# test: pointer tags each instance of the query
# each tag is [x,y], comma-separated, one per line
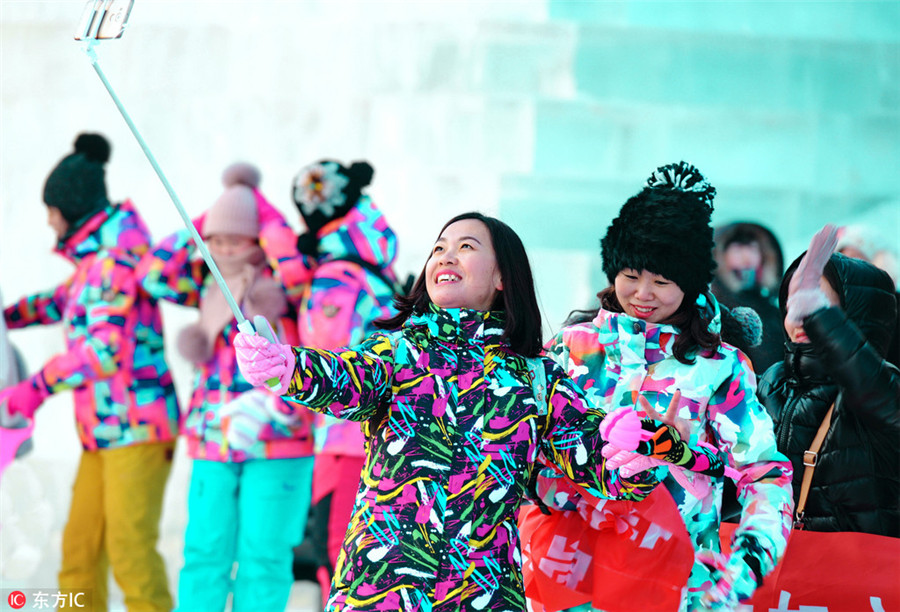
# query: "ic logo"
[16,600]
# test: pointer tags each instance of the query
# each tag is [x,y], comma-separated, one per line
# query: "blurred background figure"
[126,411]
[12,368]
[25,511]
[750,265]
[250,473]
[352,250]
[862,242]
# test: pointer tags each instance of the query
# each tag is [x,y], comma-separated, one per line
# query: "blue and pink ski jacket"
[615,358]
[342,300]
[171,272]
[114,360]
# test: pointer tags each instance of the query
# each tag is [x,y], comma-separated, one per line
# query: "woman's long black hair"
[693,326]
[522,327]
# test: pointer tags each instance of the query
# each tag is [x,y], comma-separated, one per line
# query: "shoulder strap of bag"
[538,376]
[810,459]
[538,382]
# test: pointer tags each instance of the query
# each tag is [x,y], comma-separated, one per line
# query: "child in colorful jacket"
[454,421]
[655,336]
[125,405]
[352,286]
[246,504]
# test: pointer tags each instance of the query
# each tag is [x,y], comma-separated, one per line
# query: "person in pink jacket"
[352,249]
[125,405]
[251,473]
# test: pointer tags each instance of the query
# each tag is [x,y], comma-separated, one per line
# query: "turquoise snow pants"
[252,514]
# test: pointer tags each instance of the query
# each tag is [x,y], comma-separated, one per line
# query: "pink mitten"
[260,361]
[15,438]
[622,429]
[26,397]
[628,463]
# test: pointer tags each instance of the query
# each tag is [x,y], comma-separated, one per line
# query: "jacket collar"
[802,367]
[629,340]
[458,325]
[118,226]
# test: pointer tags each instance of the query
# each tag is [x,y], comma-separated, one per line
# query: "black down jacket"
[856,484]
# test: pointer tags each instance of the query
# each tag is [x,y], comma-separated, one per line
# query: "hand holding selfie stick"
[105,20]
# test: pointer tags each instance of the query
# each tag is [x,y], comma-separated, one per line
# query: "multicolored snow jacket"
[616,357]
[343,299]
[453,431]
[171,272]
[114,360]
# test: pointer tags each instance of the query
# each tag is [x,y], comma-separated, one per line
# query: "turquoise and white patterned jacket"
[615,358]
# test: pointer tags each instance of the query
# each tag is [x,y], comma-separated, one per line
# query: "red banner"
[621,556]
[831,572]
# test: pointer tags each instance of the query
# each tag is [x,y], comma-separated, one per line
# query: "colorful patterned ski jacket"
[616,357]
[114,359]
[171,272]
[453,431]
[343,299]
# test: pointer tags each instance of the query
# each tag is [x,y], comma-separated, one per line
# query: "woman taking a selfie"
[455,411]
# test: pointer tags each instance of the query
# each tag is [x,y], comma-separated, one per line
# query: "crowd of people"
[418,426]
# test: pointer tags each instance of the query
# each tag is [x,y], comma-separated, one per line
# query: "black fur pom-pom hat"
[665,229]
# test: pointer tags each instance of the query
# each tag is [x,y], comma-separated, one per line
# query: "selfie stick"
[100,16]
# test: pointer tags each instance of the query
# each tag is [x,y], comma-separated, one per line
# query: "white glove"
[804,285]
[805,302]
[243,419]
